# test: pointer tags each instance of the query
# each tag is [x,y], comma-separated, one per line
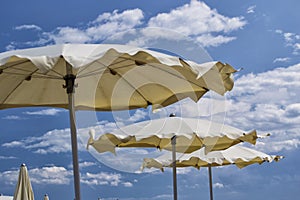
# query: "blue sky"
[262,37]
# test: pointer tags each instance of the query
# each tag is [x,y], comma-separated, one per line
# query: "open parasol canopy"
[191,134]
[235,155]
[108,77]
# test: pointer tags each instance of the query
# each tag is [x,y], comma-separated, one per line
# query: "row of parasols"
[191,142]
[108,77]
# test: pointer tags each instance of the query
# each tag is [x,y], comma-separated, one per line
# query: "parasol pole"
[70,80]
[210,182]
[173,141]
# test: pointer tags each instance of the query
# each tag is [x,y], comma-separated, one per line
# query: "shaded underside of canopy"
[191,134]
[108,77]
[235,155]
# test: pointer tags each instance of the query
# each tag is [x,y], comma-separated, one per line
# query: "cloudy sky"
[260,38]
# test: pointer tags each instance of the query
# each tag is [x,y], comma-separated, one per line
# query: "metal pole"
[210,182]
[70,79]
[173,141]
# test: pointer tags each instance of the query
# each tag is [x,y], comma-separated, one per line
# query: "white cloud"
[108,24]
[211,40]
[274,86]
[205,25]
[128,18]
[12,117]
[211,107]
[13,144]
[103,178]
[157,197]
[138,115]
[86,164]
[285,59]
[162,196]
[124,117]
[45,175]
[278,31]
[103,26]
[7,157]
[58,140]
[68,35]
[12,46]
[251,9]
[277,146]
[291,40]
[48,112]
[296,47]
[50,175]
[83,164]
[200,17]
[127,184]
[55,175]
[132,158]
[184,170]
[55,141]
[289,37]
[218,185]
[10,177]
[203,22]
[268,102]
[292,110]
[28,27]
